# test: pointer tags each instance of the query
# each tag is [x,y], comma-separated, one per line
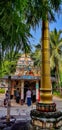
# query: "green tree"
[56,52]
[9,64]
[61,74]
[44,10]
[36,11]
[36,56]
[14,31]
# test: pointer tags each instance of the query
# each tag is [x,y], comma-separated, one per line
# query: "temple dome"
[24,65]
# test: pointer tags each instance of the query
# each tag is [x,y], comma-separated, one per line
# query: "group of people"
[30,97]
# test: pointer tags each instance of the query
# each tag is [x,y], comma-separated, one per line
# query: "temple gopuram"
[26,76]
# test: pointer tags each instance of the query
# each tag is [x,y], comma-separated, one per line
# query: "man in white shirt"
[28,97]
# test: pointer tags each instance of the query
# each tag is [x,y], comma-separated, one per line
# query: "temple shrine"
[26,76]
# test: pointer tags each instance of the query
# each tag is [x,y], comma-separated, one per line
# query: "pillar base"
[46,120]
[46,107]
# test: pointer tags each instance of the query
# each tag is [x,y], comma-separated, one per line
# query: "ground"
[23,110]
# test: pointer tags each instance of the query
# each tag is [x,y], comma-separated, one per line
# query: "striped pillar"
[22,90]
[46,87]
[37,91]
[46,102]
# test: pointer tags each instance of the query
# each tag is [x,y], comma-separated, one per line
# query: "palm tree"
[36,56]
[9,63]
[56,52]
[36,11]
[14,31]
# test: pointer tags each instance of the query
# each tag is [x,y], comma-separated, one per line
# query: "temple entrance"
[32,86]
[22,86]
[26,86]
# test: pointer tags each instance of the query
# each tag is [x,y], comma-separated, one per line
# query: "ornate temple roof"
[25,70]
[25,66]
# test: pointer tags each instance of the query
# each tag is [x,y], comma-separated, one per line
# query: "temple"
[26,76]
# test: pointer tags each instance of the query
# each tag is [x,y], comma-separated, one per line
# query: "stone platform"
[46,120]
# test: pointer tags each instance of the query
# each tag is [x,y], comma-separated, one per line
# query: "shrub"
[2,90]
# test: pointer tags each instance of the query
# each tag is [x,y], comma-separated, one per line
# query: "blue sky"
[57,24]
[37,34]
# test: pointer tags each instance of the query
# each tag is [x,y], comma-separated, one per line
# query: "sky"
[57,24]
[37,34]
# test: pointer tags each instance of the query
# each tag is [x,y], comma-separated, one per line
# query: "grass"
[2,90]
[55,93]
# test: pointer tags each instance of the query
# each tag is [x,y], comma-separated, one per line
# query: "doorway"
[29,84]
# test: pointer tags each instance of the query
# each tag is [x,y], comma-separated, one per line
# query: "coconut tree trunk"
[46,86]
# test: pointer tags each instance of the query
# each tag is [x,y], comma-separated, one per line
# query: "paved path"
[23,110]
[58,102]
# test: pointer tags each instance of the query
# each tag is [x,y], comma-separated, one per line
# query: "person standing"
[28,97]
[33,95]
[17,95]
[6,98]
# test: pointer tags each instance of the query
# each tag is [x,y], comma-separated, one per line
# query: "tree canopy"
[16,18]
[56,52]
[36,10]
[14,32]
